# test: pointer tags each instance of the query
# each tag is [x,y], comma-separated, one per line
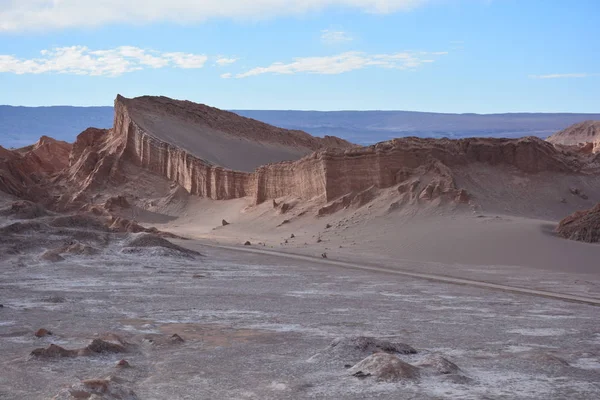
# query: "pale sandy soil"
[483,243]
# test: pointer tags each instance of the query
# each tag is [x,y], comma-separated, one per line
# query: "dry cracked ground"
[149,322]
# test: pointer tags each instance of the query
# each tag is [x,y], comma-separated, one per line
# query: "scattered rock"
[292,236]
[563,200]
[98,346]
[97,389]
[42,333]
[123,364]
[327,226]
[324,255]
[385,367]
[247,243]
[224,223]
[53,351]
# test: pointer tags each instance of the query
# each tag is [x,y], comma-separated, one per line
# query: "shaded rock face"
[585,135]
[385,367]
[23,170]
[583,226]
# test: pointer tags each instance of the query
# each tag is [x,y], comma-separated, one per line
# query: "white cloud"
[559,76]
[223,61]
[80,60]
[345,62]
[227,75]
[21,15]
[329,36]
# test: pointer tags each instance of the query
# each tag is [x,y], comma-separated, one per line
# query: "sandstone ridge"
[197,147]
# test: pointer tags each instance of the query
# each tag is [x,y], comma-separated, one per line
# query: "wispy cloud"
[29,15]
[345,62]
[329,36]
[223,61]
[227,75]
[80,60]
[560,76]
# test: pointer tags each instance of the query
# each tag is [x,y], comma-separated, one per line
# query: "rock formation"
[220,155]
[386,368]
[585,135]
[581,225]
[22,170]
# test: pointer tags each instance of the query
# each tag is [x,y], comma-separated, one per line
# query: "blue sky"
[479,56]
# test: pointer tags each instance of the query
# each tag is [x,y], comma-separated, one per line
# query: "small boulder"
[386,368]
[123,364]
[42,333]
[247,243]
[175,338]
[224,223]
[438,364]
[101,346]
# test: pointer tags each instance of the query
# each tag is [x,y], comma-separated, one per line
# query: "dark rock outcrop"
[583,226]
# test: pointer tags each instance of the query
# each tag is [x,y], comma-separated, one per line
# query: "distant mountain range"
[21,126]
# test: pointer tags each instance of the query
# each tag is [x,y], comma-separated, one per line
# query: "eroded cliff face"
[389,163]
[197,176]
[421,169]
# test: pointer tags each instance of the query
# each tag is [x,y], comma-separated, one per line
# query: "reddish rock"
[123,364]
[42,333]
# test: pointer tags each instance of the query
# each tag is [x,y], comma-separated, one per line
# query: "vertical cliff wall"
[327,174]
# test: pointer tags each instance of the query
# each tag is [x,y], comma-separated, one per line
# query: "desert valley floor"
[260,327]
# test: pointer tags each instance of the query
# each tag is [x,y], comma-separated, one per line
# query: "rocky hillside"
[585,135]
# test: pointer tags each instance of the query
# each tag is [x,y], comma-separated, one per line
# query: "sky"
[458,56]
